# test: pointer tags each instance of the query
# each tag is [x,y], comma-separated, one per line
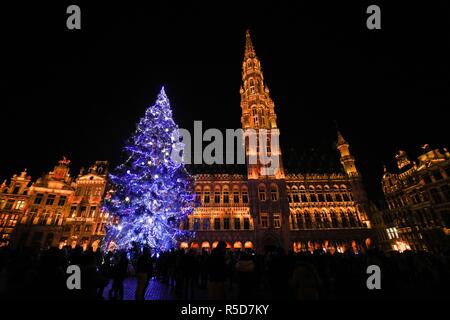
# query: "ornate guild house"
[296,211]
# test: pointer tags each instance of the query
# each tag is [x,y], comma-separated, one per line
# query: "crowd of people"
[222,274]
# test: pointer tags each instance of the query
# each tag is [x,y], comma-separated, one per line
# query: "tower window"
[274,193]
[262,193]
[236,196]
[264,221]
[276,221]
[244,197]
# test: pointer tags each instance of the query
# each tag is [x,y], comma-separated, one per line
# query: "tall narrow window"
[277,221]
[206,197]
[217,197]
[255,116]
[38,198]
[245,196]
[236,196]
[264,221]
[226,223]
[262,193]
[226,198]
[237,223]
[274,193]
[246,223]
[62,201]
[216,223]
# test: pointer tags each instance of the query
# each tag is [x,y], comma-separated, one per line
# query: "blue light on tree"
[151,192]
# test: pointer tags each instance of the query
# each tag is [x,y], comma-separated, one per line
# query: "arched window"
[244,195]
[255,116]
[320,196]
[235,195]
[352,219]
[328,196]
[312,195]
[262,193]
[206,195]
[318,220]
[334,219]
[273,193]
[295,197]
[252,86]
[325,219]
[299,218]
[226,195]
[307,219]
[217,195]
[303,194]
[344,219]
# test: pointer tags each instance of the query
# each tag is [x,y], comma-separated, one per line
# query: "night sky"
[81,93]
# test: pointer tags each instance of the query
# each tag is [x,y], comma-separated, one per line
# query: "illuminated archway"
[248,245]
[237,245]
[205,244]
[194,245]
[184,245]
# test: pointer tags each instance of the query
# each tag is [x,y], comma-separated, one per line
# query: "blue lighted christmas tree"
[152,193]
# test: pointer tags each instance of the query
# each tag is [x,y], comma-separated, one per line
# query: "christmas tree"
[151,192]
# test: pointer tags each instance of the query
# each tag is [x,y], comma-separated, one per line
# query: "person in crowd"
[119,273]
[144,273]
[217,271]
[245,268]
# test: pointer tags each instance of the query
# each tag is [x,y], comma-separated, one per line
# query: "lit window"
[276,221]
[392,233]
[20,204]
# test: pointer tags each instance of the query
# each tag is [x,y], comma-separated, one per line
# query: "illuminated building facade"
[261,209]
[417,216]
[56,209]
[13,203]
